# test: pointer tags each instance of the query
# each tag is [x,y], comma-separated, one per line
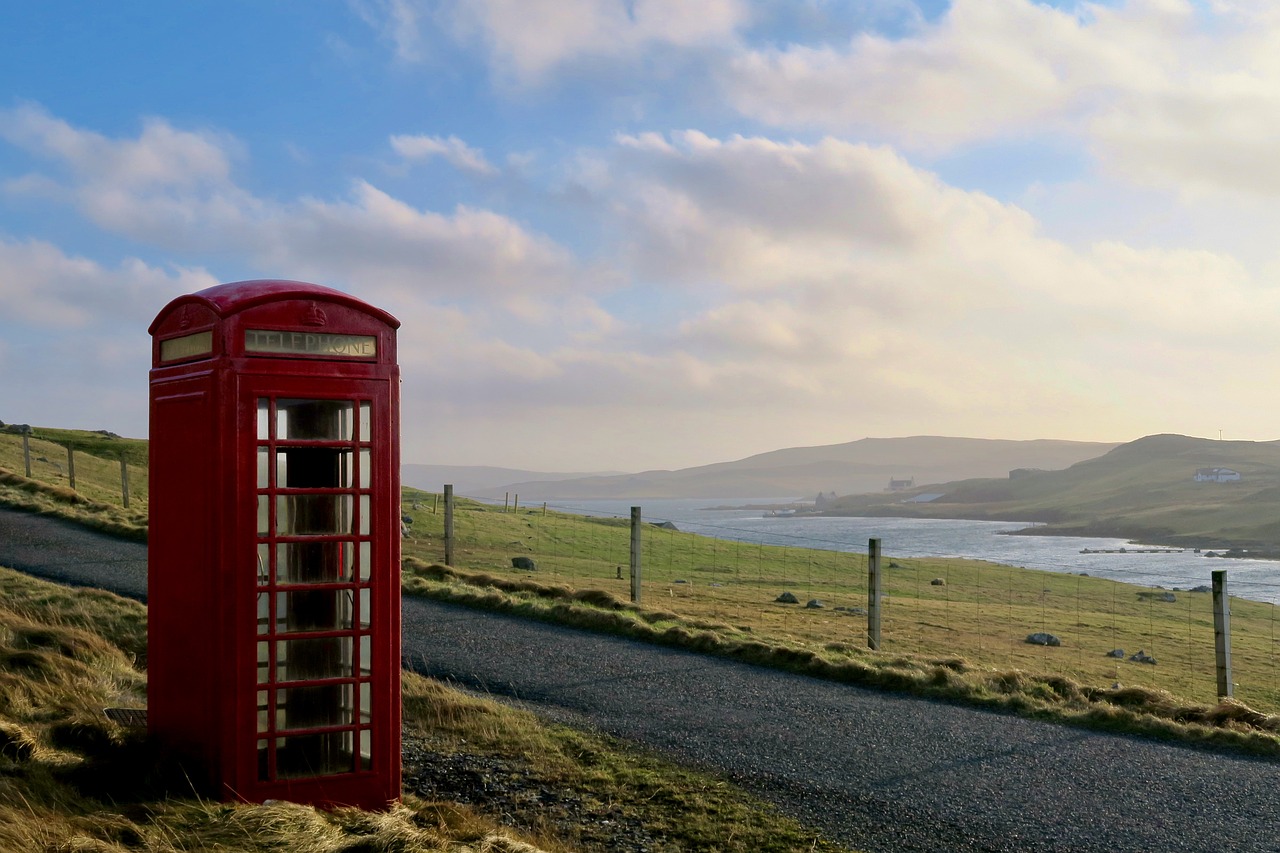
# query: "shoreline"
[1206,546]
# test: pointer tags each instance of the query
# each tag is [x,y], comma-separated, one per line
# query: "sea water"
[994,541]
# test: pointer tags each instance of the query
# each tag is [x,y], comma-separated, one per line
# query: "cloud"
[41,287]
[468,255]
[528,39]
[397,22]
[751,283]
[76,350]
[834,272]
[161,156]
[173,190]
[167,184]
[453,150]
[1164,93]
[488,305]
[982,69]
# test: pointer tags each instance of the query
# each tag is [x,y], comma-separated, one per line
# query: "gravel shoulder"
[872,770]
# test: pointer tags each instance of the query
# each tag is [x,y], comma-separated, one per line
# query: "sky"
[633,234]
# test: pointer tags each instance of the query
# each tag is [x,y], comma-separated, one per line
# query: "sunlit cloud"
[453,150]
[1164,93]
[42,287]
[837,272]
[141,189]
[528,39]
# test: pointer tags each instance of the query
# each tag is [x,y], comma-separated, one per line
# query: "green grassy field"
[982,613]
[98,499]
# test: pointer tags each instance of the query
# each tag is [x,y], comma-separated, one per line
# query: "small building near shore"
[1216,475]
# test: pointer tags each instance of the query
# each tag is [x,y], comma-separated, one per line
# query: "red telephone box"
[274,548]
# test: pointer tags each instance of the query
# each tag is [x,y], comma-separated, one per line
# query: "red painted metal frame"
[203,552]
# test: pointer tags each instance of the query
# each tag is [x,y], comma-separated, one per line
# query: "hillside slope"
[854,467]
[1141,490]
[476,479]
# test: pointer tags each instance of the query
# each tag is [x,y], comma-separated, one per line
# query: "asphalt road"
[872,770]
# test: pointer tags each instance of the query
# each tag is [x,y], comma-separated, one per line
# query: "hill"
[475,479]
[854,467]
[1144,490]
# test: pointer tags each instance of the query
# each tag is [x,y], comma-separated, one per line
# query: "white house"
[1216,475]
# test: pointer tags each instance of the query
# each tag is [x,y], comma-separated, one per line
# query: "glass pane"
[313,420]
[364,608]
[264,662]
[366,653]
[264,417]
[312,515]
[366,750]
[264,712]
[366,421]
[366,560]
[315,707]
[315,755]
[366,706]
[364,515]
[314,562]
[264,468]
[313,468]
[264,516]
[264,562]
[264,612]
[365,463]
[322,657]
[314,610]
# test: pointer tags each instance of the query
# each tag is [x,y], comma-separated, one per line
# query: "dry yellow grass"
[70,779]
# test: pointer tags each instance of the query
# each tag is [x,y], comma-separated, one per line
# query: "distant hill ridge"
[478,480]
[855,467]
[1143,490]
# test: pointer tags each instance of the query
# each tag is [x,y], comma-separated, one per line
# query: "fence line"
[1132,631]
[42,468]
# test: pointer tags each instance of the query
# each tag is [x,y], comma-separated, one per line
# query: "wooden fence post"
[71,467]
[448,525]
[1222,632]
[873,594]
[124,481]
[635,555]
[26,453]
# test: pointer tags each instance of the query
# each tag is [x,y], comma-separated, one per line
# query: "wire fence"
[1132,628]
[104,476]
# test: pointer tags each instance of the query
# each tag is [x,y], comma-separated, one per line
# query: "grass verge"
[481,777]
[933,608]
[1133,710]
[18,492]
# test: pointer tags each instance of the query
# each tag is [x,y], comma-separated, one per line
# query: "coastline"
[1208,546]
